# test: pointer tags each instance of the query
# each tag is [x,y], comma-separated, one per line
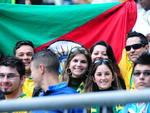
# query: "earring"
[68,71]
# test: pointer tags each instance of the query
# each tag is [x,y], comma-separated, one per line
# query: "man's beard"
[5,92]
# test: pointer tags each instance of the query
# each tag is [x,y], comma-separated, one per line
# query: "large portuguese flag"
[85,24]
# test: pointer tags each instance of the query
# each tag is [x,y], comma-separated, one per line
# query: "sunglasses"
[135,46]
[102,60]
[79,49]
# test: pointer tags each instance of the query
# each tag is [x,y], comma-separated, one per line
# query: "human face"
[35,74]
[141,76]
[134,53]
[10,81]
[25,53]
[145,4]
[99,51]
[103,77]
[78,65]
[80,1]
[148,36]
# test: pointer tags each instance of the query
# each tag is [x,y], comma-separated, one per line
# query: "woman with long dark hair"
[102,77]
[102,50]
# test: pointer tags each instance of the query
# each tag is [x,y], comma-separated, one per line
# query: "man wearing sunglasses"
[136,44]
[12,72]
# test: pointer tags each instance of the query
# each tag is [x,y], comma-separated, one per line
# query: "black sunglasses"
[135,46]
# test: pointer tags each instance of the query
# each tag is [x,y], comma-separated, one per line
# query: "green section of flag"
[7,1]
[43,23]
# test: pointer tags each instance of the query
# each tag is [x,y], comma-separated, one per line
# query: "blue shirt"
[59,89]
[136,108]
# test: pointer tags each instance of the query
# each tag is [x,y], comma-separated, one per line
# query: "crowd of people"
[29,74]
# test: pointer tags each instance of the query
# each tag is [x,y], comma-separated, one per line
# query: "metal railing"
[106,98]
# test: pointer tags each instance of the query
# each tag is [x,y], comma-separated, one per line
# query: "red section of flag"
[110,26]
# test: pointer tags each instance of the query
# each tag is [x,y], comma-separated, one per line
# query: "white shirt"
[103,1]
[142,24]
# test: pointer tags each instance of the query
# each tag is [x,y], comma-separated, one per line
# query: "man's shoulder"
[66,90]
[69,90]
[59,89]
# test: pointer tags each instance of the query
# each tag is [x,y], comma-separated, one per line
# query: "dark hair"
[48,58]
[90,85]
[144,59]
[14,62]
[111,56]
[1,55]
[74,51]
[21,43]
[109,50]
[36,2]
[143,39]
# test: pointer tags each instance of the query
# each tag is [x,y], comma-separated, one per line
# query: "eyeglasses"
[145,73]
[135,46]
[10,76]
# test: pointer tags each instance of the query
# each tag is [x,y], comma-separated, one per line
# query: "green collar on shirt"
[22,95]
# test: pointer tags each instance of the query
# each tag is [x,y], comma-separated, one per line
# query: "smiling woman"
[76,68]
[102,77]
[62,49]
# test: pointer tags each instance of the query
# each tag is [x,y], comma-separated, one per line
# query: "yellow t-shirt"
[28,87]
[126,67]
[22,96]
